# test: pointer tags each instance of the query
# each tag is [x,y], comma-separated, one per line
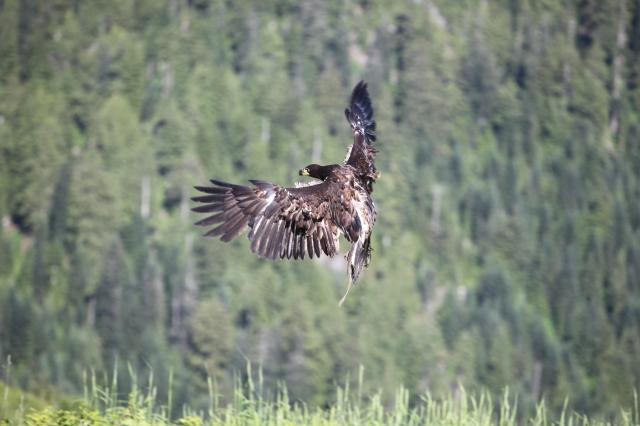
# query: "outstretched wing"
[360,116]
[283,222]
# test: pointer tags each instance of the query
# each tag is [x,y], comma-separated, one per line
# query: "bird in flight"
[287,223]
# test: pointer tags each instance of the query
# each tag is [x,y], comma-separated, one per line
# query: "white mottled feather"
[305,184]
[348,154]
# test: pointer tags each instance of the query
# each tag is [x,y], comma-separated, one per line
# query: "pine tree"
[34,155]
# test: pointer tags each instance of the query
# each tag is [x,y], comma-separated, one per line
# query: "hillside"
[507,249]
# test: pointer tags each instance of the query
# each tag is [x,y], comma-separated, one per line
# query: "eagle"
[289,223]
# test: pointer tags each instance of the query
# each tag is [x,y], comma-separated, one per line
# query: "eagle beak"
[304,172]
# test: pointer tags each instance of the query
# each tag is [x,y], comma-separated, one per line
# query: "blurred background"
[507,249]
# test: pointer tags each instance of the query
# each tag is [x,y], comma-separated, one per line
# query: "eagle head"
[317,171]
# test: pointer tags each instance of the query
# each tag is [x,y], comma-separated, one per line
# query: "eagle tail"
[358,258]
[360,113]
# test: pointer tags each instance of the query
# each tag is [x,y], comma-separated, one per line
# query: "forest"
[507,246]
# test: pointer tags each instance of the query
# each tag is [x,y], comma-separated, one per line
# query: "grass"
[14,403]
[100,406]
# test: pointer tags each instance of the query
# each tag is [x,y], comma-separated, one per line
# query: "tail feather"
[360,257]
[357,258]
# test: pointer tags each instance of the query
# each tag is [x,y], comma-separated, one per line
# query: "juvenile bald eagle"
[288,223]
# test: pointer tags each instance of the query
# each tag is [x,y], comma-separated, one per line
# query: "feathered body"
[289,223]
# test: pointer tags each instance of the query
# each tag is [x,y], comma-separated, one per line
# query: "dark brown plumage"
[291,223]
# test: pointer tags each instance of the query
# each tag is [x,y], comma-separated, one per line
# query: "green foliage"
[14,403]
[507,248]
[77,416]
[350,408]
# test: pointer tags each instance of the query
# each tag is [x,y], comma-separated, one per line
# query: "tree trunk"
[436,210]
[145,197]
[616,86]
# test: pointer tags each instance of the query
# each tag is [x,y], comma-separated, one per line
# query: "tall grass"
[100,405]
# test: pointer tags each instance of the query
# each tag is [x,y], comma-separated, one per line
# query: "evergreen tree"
[507,244]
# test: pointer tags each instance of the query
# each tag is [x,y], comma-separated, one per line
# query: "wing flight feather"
[283,222]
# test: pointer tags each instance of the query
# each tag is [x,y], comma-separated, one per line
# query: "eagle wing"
[360,116]
[283,222]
